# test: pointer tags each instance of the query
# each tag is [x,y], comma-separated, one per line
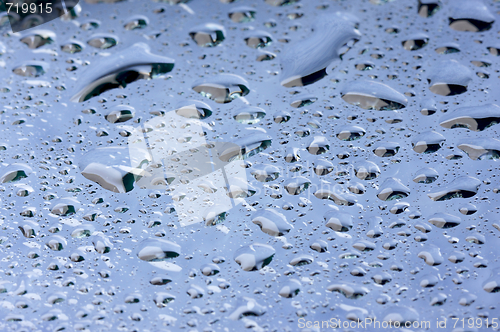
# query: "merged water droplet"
[247,307]
[280,2]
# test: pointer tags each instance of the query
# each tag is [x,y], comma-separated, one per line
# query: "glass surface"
[265,165]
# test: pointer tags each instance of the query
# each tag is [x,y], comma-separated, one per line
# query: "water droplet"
[415,42]
[136,22]
[449,78]
[73,46]
[427,8]
[318,145]
[428,142]
[208,34]
[290,289]
[305,62]
[258,39]
[120,70]
[444,220]
[31,69]
[350,133]
[38,38]
[477,118]
[249,115]
[121,113]
[481,148]
[193,109]
[296,185]
[460,187]
[271,222]
[373,95]
[471,16]
[349,290]
[155,250]
[254,256]
[432,255]
[338,221]
[103,41]
[242,14]
[391,189]
[223,88]
[426,175]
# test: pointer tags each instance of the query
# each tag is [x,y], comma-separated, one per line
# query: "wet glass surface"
[230,165]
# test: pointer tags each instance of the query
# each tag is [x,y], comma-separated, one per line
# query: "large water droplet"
[449,78]
[223,88]
[155,250]
[461,187]
[254,256]
[117,71]
[373,95]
